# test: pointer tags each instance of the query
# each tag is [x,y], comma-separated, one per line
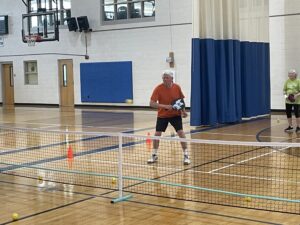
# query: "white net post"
[120,173]
[120,165]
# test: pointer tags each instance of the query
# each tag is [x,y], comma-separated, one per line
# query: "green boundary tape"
[164,183]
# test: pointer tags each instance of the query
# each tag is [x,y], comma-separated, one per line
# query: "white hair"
[292,71]
[168,72]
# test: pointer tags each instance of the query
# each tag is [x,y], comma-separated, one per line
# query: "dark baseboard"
[277,111]
[129,107]
[36,105]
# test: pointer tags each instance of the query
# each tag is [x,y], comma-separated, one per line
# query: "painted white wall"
[147,46]
[284,45]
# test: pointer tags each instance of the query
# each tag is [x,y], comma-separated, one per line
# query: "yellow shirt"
[292,87]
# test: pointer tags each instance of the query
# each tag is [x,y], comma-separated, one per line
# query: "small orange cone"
[70,154]
[148,141]
[70,157]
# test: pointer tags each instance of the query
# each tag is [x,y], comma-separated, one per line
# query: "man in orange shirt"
[161,99]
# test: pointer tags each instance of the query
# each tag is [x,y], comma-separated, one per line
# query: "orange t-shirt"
[166,96]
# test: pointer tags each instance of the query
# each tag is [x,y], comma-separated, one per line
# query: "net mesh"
[251,175]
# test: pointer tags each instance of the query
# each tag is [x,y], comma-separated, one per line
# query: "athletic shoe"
[153,158]
[289,129]
[186,160]
[297,129]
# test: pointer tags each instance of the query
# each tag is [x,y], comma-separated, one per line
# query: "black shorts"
[162,123]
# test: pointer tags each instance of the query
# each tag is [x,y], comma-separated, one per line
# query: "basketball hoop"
[32,39]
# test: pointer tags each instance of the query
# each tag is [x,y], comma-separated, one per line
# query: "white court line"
[127,129]
[132,164]
[25,123]
[49,126]
[82,126]
[216,133]
[172,169]
[252,177]
[244,135]
[246,160]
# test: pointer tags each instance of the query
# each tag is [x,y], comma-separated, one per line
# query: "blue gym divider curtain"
[230,73]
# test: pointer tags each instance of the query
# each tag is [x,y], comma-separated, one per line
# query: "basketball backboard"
[40,25]
[42,20]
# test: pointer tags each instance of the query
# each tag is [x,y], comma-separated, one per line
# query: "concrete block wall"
[284,46]
[146,44]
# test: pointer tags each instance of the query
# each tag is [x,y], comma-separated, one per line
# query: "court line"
[202,164]
[226,125]
[61,125]
[144,129]
[48,210]
[56,144]
[208,213]
[211,128]
[51,145]
[246,160]
[258,135]
[172,169]
[113,190]
[198,130]
[257,138]
[214,127]
[92,196]
[91,138]
[155,181]
[48,160]
[100,150]
[209,203]
[248,135]
[58,182]
[91,152]
[152,180]
[63,143]
[251,177]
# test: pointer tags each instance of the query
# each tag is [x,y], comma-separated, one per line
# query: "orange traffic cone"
[148,142]
[70,154]
[70,157]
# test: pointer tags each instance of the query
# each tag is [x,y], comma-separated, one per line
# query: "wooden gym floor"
[56,204]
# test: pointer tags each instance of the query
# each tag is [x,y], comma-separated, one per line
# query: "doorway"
[8,86]
[66,84]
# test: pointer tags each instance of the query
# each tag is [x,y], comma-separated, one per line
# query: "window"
[31,72]
[63,7]
[125,10]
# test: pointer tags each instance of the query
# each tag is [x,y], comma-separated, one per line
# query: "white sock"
[185,152]
[154,151]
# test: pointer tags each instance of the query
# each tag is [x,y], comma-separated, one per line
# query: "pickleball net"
[252,175]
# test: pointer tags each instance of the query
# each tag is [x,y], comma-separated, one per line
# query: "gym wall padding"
[106,82]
